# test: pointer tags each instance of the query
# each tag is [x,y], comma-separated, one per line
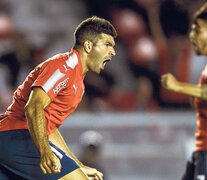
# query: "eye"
[108,44]
[195,28]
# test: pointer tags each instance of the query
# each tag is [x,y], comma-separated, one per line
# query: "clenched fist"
[169,82]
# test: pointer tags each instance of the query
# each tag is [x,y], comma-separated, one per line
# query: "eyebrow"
[111,42]
[195,21]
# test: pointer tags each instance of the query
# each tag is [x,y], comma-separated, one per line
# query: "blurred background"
[127,125]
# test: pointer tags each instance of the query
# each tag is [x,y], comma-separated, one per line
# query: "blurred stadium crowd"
[152,40]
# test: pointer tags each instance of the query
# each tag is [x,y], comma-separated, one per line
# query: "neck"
[83,58]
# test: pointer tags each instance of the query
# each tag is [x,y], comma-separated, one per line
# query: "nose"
[112,52]
[191,35]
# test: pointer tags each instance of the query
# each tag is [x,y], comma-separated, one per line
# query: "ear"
[88,45]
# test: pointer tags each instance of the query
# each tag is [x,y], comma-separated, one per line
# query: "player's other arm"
[169,82]
[57,139]
[34,111]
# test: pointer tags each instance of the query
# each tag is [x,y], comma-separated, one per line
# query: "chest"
[69,98]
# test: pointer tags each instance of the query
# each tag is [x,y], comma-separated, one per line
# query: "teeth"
[103,65]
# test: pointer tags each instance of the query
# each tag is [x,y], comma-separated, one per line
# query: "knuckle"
[48,162]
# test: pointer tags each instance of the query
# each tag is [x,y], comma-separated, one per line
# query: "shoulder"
[64,62]
[68,58]
[57,59]
[60,57]
[204,73]
[54,62]
[72,60]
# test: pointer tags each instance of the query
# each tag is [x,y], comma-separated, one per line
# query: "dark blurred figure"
[6,44]
[142,99]
[169,24]
[144,96]
[17,59]
[142,58]
[98,89]
[91,144]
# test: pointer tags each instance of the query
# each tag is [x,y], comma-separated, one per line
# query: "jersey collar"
[79,61]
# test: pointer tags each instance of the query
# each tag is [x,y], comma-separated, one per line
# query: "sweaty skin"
[49,163]
[97,54]
[34,111]
[93,57]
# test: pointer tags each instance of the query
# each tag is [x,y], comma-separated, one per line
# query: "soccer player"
[196,166]
[31,146]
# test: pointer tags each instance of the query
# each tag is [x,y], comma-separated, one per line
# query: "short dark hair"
[201,13]
[91,28]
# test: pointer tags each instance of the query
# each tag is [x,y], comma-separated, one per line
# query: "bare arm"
[169,82]
[57,139]
[34,111]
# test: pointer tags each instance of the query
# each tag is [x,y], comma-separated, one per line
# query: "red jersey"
[62,79]
[201,107]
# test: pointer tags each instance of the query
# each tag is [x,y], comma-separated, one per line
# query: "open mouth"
[104,63]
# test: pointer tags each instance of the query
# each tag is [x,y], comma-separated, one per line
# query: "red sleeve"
[53,78]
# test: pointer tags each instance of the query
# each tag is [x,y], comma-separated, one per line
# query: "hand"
[92,173]
[169,82]
[49,163]
[93,178]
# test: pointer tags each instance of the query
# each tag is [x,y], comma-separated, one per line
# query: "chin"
[197,51]
[97,71]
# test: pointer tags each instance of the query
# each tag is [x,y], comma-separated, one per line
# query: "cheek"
[99,54]
[203,38]
[192,36]
[202,41]
[96,52]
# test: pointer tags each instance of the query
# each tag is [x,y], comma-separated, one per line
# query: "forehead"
[106,38]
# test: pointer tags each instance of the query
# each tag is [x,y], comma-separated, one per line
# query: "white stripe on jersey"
[72,61]
[54,78]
